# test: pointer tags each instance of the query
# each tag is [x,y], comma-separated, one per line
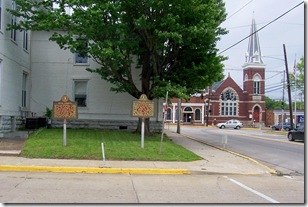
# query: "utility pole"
[295,92]
[288,85]
[179,117]
[282,102]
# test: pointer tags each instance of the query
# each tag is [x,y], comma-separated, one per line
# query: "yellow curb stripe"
[271,171]
[93,170]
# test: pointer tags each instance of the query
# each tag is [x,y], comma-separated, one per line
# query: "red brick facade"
[225,100]
[250,107]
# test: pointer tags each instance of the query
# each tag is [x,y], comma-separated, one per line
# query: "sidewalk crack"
[135,192]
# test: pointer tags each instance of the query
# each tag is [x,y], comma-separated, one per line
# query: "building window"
[256,84]
[229,103]
[25,40]
[197,114]
[169,114]
[24,90]
[13,22]
[81,52]
[188,109]
[80,92]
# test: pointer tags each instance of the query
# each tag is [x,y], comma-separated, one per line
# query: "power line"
[269,71]
[279,73]
[274,90]
[262,27]
[239,10]
[273,87]
[267,85]
[248,25]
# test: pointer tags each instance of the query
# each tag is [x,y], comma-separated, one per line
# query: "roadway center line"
[252,190]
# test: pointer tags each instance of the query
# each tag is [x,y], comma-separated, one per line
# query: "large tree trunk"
[146,126]
[146,74]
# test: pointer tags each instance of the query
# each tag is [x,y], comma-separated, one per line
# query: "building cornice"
[253,65]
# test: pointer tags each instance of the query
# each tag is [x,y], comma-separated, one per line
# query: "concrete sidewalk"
[216,161]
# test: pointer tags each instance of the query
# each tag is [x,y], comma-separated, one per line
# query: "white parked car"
[233,123]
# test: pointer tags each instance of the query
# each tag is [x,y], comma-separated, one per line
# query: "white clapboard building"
[15,71]
[35,72]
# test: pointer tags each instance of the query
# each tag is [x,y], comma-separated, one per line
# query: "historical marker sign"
[143,108]
[65,109]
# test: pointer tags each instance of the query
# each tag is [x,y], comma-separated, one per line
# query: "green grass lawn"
[86,144]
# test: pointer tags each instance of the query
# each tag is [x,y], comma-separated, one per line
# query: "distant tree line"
[272,104]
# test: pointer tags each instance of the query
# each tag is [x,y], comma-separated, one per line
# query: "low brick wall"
[6,124]
[105,124]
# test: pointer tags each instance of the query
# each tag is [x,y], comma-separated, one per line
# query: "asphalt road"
[30,187]
[272,150]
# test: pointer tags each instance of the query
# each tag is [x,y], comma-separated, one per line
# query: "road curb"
[270,170]
[107,170]
[10,152]
[101,170]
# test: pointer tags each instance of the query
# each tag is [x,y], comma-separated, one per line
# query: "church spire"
[253,54]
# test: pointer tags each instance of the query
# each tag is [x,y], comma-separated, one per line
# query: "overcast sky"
[288,30]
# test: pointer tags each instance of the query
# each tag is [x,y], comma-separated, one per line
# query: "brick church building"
[225,100]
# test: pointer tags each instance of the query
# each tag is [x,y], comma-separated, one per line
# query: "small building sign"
[143,108]
[65,109]
[300,119]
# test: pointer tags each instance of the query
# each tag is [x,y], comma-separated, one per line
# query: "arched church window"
[188,109]
[229,103]
[169,114]
[197,114]
[257,84]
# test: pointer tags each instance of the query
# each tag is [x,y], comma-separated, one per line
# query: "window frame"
[25,40]
[13,22]
[24,102]
[256,87]
[169,114]
[229,103]
[197,114]
[86,81]
[257,84]
[77,55]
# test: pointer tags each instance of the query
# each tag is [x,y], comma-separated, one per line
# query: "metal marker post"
[64,109]
[142,133]
[143,108]
[164,118]
[64,132]
[103,153]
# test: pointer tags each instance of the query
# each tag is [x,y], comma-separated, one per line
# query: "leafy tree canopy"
[299,77]
[272,104]
[173,43]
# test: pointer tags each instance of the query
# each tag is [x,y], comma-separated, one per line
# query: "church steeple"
[253,54]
